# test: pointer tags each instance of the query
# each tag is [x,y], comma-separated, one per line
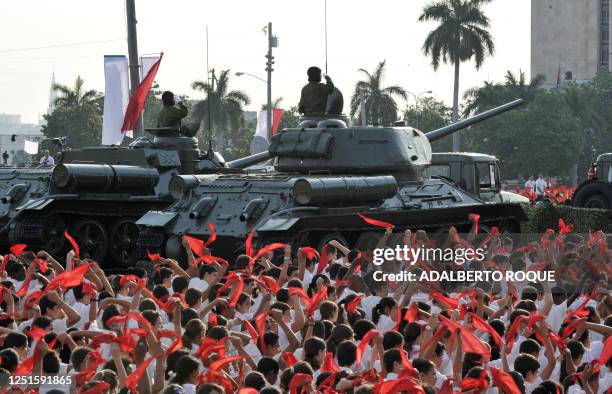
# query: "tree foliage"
[428,115]
[77,116]
[224,108]
[380,105]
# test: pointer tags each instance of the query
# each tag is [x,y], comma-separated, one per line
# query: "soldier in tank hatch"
[314,94]
[173,111]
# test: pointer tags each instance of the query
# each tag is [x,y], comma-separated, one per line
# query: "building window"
[569,76]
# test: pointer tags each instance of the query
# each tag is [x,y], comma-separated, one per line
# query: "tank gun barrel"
[462,124]
[247,161]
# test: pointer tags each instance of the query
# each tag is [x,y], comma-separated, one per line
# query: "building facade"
[13,135]
[569,39]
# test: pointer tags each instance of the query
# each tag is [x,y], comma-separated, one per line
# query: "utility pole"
[272,43]
[132,38]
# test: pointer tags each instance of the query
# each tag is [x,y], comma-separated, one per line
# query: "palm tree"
[75,97]
[520,88]
[493,94]
[380,106]
[275,103]
[225,112]
[460,36]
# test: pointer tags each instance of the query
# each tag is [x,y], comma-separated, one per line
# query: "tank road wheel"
[53,239]
[367,241]
[92,239]
[333,237]
[123,236]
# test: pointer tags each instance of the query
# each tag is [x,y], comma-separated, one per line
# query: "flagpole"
[132,41]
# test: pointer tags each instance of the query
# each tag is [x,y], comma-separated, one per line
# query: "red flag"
[351,306]
[412,314]
[176,344]
[75,246]
[131,381]
[606,353]
[316,299]
[267,249]
[557,340]
[482,325]
[213,235]
[260,323]
[196,245]
[251,330]
[24,287]
[513,331]
[407,369]
[480,383]
[212,320]
[471,343]
[289,359]
[374,222]
[26,367]
[36,333]
[365,341]
[271,283]
[323,260]
[137,101]
[297,381]
[329,365]
[18,249]
[69,278]
[474,217]
[504,381]
[408,385]
[237,292]
[43,266]
[447,387]
[249,244]
[571,327]
[309,252]
[448,302]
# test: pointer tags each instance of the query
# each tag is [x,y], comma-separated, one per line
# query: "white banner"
[116,97]
[145,65]
[30,147]
[262,124]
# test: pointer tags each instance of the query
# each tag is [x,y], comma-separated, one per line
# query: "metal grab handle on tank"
[331,123]
[308,124]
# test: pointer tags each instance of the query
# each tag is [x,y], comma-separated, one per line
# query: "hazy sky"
[361,33]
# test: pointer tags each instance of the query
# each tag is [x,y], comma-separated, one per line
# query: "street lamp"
[241,73]
[416,104]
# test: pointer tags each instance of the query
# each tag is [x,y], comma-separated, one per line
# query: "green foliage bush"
[545,216]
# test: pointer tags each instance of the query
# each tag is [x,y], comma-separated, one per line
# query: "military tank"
[325,173]
[97,194]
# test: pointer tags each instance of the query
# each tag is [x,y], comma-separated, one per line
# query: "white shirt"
[530,184]
[198,284]
[47,161]
[540,187]
[83,311]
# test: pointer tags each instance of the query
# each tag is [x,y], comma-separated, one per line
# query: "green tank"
[325,171]
[97,194]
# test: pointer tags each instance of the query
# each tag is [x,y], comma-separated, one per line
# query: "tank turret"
[330,145]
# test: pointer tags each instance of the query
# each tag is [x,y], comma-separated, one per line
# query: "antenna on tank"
[210,153]
[325,36]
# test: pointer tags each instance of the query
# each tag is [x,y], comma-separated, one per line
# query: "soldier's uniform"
[170,116]
[314,97]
